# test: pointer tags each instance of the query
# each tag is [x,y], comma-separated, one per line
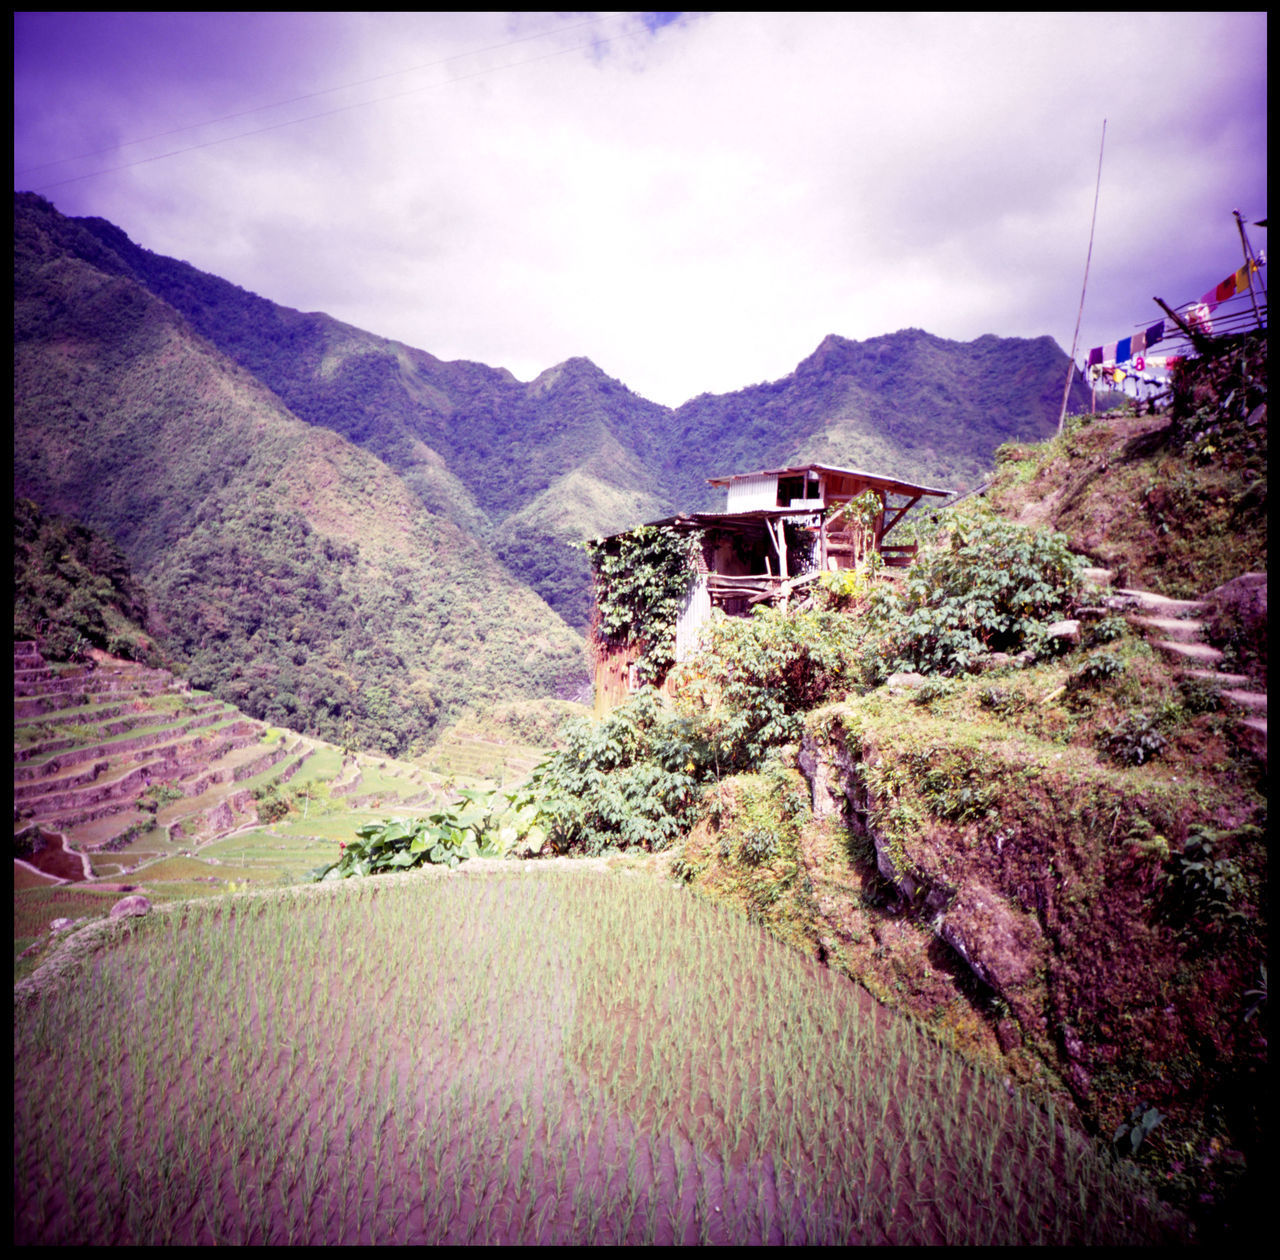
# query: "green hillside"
[295,574]
[909,405]
[329,520]
[73,588]
[531,467]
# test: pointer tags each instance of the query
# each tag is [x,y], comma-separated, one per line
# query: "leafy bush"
[991,587]
[1130,1134]
[480,824]
[1199,695]
[758,845]
[641,580]
[1106,630]
[1098,668]
[1135,741]
[629,780]
[271,804]
[1002,699]
[755,677]
[1200,885]
[846,588]
[951,785]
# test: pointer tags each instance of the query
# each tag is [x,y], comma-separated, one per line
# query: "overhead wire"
[308,96]
[241,135]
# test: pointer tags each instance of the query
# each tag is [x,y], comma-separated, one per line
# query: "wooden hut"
[778,532]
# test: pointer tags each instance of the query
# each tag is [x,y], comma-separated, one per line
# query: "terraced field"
[126,779]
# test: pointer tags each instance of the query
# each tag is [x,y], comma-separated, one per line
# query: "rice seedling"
[534,1057]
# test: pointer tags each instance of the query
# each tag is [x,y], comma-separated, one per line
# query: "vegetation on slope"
[533,467]
[74,590]
[1052,847]
[1174,502]
[294,572]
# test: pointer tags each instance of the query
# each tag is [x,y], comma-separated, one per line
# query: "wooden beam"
[779,540]
[1198,339]
[900,514]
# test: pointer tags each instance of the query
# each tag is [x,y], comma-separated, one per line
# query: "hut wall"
[748,493]
[695,613]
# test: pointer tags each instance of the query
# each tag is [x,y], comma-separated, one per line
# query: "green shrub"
[1199,695]
[992,586]
[755,677]
[1135,741]
[1106,630]
[1200,886]
[1098,668]
[758,845]
[628,780]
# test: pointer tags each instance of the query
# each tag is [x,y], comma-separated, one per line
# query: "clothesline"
[1198,316]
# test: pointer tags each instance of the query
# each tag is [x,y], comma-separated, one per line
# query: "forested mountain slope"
[532,467]
[296,574]
[235,449]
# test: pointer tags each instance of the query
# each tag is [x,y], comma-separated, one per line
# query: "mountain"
[320,514]
[532,467]
[296,575]
[909,404]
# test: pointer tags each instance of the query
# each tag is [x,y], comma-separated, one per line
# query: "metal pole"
[1248,262]
[1075,340]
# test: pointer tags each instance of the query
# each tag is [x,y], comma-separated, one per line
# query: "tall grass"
[517,1058]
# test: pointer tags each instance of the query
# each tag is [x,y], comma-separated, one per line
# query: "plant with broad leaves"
[629,780]
[755,677]
[481,823]
[1131,1134]
[1135,741]
[992,586]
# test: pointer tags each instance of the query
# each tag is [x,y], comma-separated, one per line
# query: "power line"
[558,52]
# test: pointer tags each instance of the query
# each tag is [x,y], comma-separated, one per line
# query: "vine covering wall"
[641,579]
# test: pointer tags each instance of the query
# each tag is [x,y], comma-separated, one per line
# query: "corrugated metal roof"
[889,483]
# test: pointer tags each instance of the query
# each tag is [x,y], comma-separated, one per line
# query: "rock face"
[1237,615]
[1037,871]
[130,906]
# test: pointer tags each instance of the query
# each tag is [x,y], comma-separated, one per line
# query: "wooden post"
[1066,393]
[1248,262]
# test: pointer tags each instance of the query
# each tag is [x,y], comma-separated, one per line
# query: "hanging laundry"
[1095,356]
[1123,351]
[1198,317]
[1155,333]
[1109,353]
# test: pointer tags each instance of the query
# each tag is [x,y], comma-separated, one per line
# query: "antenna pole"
[1075,340]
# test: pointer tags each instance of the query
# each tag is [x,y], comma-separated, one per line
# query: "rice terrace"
[562,1053]
[454,808]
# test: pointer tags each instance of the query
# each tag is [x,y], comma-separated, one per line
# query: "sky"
[692,201]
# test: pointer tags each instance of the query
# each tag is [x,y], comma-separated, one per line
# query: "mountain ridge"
[158,403]
[294,573]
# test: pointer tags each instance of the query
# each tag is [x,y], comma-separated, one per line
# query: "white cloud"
[694,209]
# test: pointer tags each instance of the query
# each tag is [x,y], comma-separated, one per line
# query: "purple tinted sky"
[694,203]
